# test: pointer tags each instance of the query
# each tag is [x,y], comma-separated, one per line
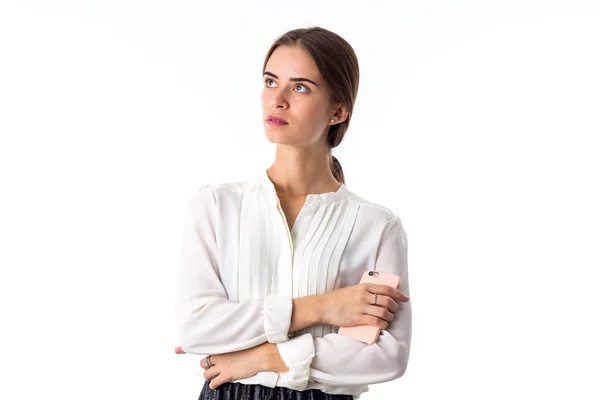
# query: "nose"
[278,100]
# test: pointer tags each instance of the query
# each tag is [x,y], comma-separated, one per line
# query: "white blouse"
[240,267]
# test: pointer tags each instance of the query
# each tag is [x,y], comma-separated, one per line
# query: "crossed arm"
[262,358]
[209,323]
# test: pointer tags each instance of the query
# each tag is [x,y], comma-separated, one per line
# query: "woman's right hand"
[353,305]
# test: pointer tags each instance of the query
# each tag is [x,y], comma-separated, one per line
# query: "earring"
[332,119]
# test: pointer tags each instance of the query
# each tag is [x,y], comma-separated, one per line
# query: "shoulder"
[373,210]
[217,190]
[383,222]
[212,198]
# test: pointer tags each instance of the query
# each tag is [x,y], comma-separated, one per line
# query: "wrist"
[263,360]
[321,309]
[271,360]
[306,311]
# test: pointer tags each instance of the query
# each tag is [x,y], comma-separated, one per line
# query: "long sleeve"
[207,322]
[340,360]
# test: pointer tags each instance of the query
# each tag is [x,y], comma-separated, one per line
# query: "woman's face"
[305,105]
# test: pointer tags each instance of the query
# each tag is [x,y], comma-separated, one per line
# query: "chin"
[279,137]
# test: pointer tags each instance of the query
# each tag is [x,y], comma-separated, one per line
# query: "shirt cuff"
[268,378]
[278,317]
[297,354]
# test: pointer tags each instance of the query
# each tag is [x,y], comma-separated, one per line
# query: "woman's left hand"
[233,366]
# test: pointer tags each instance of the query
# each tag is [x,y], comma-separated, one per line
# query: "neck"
[297,173]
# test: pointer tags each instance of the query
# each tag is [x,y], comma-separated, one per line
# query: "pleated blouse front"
[240,266]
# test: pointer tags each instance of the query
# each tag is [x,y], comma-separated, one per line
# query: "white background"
[476,122]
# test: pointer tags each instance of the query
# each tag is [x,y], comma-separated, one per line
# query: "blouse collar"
[341,193]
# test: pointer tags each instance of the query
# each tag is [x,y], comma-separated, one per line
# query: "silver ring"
[208,363]
[375,299]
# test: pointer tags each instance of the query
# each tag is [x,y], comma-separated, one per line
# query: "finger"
[402,296]
[386,290]
[179,350]
[375,288]
[369,319]
[387,302]
[210,374]
[369,296]
[382,301]
[380,312]
[203,364]
[212,361]
[215,383]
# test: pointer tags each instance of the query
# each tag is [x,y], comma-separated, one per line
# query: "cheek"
[265,97]
[315,108]
[314,115]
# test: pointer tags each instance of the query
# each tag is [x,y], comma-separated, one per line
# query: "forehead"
[294,62]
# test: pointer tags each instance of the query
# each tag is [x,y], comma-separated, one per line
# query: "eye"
[307,90]
[267,81]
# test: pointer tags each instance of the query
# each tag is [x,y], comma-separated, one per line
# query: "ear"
[340,114]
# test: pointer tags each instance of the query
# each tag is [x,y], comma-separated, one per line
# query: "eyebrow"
[291,79]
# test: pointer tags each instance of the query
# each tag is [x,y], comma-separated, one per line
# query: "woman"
[270,266]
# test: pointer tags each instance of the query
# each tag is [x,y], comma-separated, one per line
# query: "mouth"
[274,120]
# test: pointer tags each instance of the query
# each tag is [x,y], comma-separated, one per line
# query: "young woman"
[270,266]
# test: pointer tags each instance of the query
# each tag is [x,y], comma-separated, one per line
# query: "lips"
[276,119]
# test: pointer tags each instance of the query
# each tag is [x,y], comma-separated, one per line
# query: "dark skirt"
[240,391]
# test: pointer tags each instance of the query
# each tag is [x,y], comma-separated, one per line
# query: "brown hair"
[338,65]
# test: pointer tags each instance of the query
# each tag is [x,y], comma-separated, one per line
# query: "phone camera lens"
[371,273]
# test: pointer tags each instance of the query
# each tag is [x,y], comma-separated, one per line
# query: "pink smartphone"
[369,333]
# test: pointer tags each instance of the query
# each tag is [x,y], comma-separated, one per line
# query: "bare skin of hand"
[240,364]
[353,305]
